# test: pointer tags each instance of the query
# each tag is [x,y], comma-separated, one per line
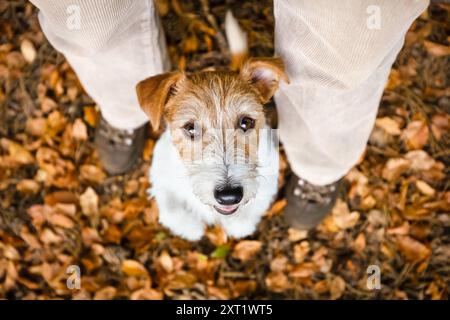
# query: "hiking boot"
[308,204]
[119,149]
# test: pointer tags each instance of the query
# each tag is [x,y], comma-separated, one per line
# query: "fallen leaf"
[277,207]
[436,49]
[89,202]
[220,251]
[146,294]
[148,149]
[106,293]
[394,168]
[133,268]
[342,216]
[182,280]
[277,282]
[295,235]
[394,79]
[400,230]
[425,188]
[303,270]
[28,186]
[337,287]
[18,155]
[246,249]
[301,250]
[92,173]
[420,160]
[389,125]
[412,249]
[166,262]
[28,50]
[36,126]
[415,135]
[91,115]
[62,196]
[61,220]
[360,243]
[279,264]
[79,130]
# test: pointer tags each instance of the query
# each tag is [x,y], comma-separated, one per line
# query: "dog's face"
[214,119]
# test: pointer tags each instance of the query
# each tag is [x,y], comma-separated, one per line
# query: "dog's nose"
[229,195]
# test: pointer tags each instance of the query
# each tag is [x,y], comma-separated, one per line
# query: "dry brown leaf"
[48,236]
[420,160]
[360,243]
[79,130]
[146,294]
[436,49]
[412,249]
[148,149]
[28,50]
[166,262]
[277,207]
[18,155]
[389,125]
[56,123]
[337,287]
[216,235]
[28,186]
[89,202]
[61,220]
[303,270]
[246,249]
[190,44]
[415,135]
[403,229]
[219,293]
[295,235]
[342,217]
[425,188]
[279,264]
[36,126]
[301,250]
[394,168]
[394,79]
[277,282]
[62,196]
[163,7]
[106,293]
[92,173]
[182,280]
[91,115]
[440,125]
[133,268]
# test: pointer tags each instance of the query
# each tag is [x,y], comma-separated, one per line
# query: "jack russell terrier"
[217,160]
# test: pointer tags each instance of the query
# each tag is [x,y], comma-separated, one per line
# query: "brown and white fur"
[205,148]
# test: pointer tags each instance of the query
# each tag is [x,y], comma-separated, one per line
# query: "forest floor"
[59,208]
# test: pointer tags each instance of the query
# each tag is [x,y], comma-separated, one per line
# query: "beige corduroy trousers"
[338,56]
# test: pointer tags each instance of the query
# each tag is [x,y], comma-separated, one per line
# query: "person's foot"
[308,204]
[118,149]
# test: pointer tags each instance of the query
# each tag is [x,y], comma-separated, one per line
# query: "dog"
[217,160]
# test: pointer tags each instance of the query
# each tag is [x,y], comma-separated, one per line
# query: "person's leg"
[111,45]
[338,55]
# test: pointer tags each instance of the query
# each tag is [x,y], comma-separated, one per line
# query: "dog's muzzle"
[228,199]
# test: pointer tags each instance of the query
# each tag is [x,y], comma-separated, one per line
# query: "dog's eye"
[191,130]
[246,123]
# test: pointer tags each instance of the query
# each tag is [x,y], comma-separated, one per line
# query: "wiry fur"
[185,172]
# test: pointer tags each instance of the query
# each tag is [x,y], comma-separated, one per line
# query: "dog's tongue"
[228,208]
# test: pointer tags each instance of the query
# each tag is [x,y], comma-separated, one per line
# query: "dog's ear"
[265,74]
[153,94]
